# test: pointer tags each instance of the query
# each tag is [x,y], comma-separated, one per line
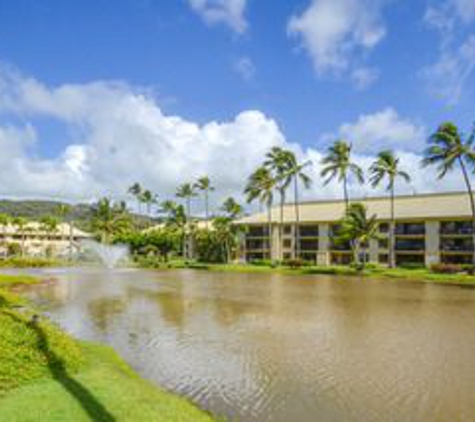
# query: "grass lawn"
[45,375]
[380,272]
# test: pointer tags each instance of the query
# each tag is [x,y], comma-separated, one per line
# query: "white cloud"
[228,12]
[337,33]
[381,130]
[245,68]
[448,76]
[123,136]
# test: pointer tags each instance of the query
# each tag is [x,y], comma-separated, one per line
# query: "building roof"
[34,227]
[408,207]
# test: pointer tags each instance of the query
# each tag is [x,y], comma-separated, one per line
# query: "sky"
[98,94]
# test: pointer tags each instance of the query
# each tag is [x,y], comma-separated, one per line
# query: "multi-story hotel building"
[430,228]
[35,240]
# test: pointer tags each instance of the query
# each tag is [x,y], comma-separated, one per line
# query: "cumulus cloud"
[337,33]
[381,130]
[227,12]
[449,74]
[123,136]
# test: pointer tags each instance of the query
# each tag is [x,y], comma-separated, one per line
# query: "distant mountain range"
[35,209]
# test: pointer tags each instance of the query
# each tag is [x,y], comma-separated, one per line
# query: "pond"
[270,347]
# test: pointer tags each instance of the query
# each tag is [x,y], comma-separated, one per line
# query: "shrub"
[296,263]
[446,268]
[262,262]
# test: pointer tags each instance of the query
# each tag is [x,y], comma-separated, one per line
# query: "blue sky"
[318,69]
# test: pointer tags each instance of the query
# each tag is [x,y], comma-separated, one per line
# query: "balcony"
[456,228]
[410,229]
[308,231]
[456,245]
[258,231]
[410,245]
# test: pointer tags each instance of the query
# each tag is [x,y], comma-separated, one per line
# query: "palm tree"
[21,223]
[357,229]
[136,191]
[204,185]
[148,198]
[232,208]
[176,218]
[387,166]
[447,149]
[279,161]
[63,211]
[296,174]
[49,225]
[261,186]
[5,220]
[110,219]
[187,192]
[338,164]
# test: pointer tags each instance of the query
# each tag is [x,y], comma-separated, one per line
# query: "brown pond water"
[269,347]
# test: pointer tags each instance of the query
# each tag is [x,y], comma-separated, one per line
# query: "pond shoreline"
[420,275]
[44,371]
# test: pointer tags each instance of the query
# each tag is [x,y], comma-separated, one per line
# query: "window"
[287,229]
[287,243]
[383,258]
[383,243]
[412,229]
[257,231]
[308,231]
[456,227]
[384,227]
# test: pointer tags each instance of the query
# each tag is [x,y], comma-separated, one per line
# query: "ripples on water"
[260,347]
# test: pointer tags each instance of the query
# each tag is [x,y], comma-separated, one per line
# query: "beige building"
[34,240]
[430,228]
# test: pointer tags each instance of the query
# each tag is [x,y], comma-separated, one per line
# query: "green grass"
[29,262]
[371,272]
[105,389]
[45,375]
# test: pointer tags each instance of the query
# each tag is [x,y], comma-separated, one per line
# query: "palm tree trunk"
[345,193]
[206,208]
[281,228]
[392,232]
[297,218]
[472,205]
[269,222]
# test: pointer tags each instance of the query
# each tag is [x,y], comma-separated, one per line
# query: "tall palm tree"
[296,174]
[338,164]
[449,148]
[387,167]
[49,225]
[110,219]
[5,220]
[187,192]
[63,211]
[147,198]
[358,229]
[261,186]
[204,185]
[279,161]
[232,208]
[136,191]
[21,224]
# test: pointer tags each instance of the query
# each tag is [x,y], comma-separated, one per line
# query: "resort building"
[430,228]
[35,240]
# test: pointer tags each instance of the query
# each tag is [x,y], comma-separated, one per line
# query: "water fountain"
[109,255]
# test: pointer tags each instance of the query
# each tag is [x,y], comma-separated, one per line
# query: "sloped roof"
[407,207]
[62,229]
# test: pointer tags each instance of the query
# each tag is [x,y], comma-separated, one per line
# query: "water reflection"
[270,347]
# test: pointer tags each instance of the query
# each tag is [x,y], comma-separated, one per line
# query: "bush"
[262,262]
[296,263]
[446,268]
